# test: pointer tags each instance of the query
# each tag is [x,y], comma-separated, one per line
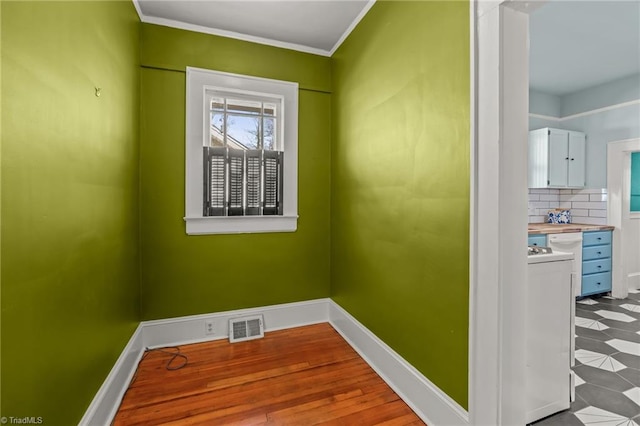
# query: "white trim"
[351,27]
[634,281]
[232,34]
[585,113]
[254,39]
[197,82]
[191,329]
[105,404]
[430,403]
[498,286]
[240,224]
[426,399]
[544,117]
[474,356]
[618,195]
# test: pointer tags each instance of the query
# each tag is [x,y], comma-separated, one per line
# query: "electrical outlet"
[208,327]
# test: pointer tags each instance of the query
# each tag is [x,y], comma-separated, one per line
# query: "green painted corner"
[70,261]
[400,183]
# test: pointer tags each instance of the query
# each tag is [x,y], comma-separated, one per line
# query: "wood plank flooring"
[300,376]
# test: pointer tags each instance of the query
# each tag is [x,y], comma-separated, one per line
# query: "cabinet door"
[558,157]
[576,170]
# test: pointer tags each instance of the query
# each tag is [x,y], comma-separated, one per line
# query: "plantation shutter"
[214,181]
[236,182]
[254,174]
[272,183]
[242,182]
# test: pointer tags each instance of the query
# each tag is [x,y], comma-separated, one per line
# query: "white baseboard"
[191,329]
[634,281]
[105,404]
[427,400]
[431,404]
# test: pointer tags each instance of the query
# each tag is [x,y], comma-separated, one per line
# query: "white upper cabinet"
[576,176]
[556,158]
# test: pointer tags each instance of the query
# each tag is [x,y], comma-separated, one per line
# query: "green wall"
[92,191]
[400,183]
[70,292]
[184,275]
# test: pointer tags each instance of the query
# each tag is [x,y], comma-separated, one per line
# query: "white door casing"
[498,267]
[626,235]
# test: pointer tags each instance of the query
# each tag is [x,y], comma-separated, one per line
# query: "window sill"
[634,215]
[240,224]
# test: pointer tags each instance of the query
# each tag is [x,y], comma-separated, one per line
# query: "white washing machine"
[549,328]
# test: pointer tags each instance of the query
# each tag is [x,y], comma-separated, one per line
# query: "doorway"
[626,236]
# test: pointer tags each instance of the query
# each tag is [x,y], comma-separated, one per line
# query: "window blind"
[241,182]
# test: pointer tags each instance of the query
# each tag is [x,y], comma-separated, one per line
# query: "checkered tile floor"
[607,364]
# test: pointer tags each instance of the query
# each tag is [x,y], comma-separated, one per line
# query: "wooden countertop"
[550,228]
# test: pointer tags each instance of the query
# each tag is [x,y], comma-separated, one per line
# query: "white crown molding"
[231,34]
[544,117]
[415,389]
[603,109]
[253,39]
[585,113]
[352,26]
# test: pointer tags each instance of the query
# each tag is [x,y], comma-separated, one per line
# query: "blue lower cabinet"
[596,266]
[596,283]
[596,252]
[539,240]
[596,262]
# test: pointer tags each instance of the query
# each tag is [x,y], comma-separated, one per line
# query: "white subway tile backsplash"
[598,197]
[579,212]
[590,191]
[598,205]
[539,204]
[574,197]
[588,205]
[598,213]
[590,220]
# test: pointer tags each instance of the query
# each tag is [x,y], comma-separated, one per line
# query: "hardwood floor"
[301,376]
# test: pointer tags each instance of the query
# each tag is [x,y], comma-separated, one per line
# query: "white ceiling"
[580,44]
[574,44]
[307,25]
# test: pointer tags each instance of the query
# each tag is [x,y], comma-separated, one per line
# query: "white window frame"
[199,81]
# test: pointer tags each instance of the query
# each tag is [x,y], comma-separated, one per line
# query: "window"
[241,153]
[242,156]
[635,182]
